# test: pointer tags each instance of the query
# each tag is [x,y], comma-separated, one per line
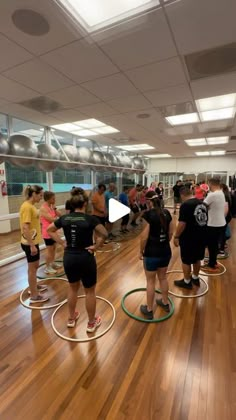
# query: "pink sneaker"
[92,326]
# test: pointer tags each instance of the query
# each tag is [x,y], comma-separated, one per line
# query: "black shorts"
[30,258]
[49,241]
[134,208]
[102,220]
[192,253]
[80,266]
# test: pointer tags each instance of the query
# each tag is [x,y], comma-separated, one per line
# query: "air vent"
[231,151]
[143,116]
[30,22]
[233,138]
[211,62]
[42,104]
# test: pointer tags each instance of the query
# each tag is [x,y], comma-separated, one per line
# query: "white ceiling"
[134,68]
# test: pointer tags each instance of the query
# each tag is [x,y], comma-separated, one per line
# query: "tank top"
[45,223]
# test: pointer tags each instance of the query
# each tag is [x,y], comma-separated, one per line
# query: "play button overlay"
[117,210]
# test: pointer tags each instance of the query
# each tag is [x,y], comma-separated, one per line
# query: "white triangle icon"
[117,210]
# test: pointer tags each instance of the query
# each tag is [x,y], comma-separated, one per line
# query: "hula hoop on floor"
[202,273]
[115,248]
[32,305]
[52,276]
[188,296]
[138,318]
[219,257]
[83,340]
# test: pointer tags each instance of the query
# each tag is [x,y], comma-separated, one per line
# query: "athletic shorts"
[49,241]
[153,263]
[80,266]
[30,258]
[192,253]
[102,220]
[134,208]
[177,200]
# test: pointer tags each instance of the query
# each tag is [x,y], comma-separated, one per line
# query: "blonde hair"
[30,189]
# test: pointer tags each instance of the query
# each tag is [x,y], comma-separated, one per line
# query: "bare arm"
[101,235]
[27,236]
[144,238]
[226,211]
[171,230]
[52,231]
[44,213]
[180,228]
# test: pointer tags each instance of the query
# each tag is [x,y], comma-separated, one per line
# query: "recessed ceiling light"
[196,142]
[202,153]
[97,14]
[183,119]
[90,123]
[68,127]
[217,140]
[107,129]
[84,133]
[217,114]
[160,155]
[216,102]
[217,153]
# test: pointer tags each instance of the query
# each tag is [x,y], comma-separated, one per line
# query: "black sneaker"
[196,282]
[163,305]
[181,283]
[144,310]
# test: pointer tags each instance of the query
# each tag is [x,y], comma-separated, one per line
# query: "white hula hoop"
[188,296]
[32,305]
[83,340]
[115,248]
[202,273]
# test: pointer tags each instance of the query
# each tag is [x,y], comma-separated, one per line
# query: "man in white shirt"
[215,202]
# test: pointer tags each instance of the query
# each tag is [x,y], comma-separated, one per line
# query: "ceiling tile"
[11,54]
[60,32]
[129,103]
[169,96]
[68,115]
[158,75]
[111,87]
[15,92]
[73,96]
[20,111]
[213,21]
[97,110]
[138,41]
[39,76]
[214,86]
[81,61]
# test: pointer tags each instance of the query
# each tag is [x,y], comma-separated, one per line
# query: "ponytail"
[151,195]
[30,189]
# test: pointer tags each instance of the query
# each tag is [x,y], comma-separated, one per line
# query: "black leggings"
[223,239]
[213,238]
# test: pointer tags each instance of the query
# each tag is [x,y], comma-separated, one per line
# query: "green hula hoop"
[138,318]
[53,275]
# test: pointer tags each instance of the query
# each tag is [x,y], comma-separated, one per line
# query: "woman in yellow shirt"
[30,239]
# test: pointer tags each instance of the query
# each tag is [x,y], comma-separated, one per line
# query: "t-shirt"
[199,193]
[133,196]
[123,198]
[205,187]
[68,206]
[176,189]
[216,206]
[108,196]
[44,222]
[193,212]
[158,244]
[29,214]
[98,200]
[78,230]
[160,192]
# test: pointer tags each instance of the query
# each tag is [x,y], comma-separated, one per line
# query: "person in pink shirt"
[199,192]
[48,214]
[152,186]
[204,187]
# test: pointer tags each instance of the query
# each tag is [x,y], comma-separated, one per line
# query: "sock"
[187,281]
[194,277]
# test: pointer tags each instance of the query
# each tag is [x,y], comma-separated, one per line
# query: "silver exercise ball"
[137,163]
[98,159]
[84,155]
[4,145]
[72,154]
[109,158]
[47,152]
[20,145]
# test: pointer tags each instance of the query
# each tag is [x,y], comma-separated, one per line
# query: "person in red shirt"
[199,193]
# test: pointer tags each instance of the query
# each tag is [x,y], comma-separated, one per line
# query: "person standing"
[134,204]
[177,199]
[48,214]
[190,235]
[110,193]
[153,186]
[123,198]
[98,203]
[215,202]
[199,193]
[79,261]
[228,217]
[156,252]
[160,193]
[31,238]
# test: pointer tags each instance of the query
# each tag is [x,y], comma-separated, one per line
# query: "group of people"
[201,223]
[199,190]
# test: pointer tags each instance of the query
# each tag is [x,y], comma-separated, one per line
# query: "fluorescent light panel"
[217,140]
[196,142]
[183,119]
[216,102]
[82,140]
[159,155]
[217,114]
[68,127]
[97,14]
[107,129]
[84,133]
[89,127]
[202,153]
[90,123]
[213,153]
[136,147]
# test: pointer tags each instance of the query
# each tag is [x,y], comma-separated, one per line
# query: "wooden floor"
[183,368]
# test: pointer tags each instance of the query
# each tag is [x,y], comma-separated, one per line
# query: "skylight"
[97,14]
[183,119]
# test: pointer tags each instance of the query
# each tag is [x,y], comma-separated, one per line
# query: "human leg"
[162,277]
[72,298]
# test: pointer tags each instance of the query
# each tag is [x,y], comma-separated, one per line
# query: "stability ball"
[137,163]
[22,146]
[50,153]
[4,146]
[84,155]
[98,159]
[72,154]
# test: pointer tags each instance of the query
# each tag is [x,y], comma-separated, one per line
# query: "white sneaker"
[50,270]
[38,298]
[57,265]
